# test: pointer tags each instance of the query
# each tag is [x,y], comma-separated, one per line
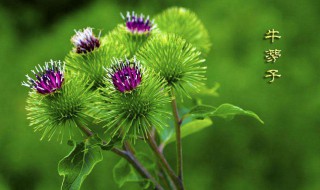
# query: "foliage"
[78,164]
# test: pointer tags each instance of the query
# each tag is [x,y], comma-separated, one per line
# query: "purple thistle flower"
[125,76]
[85,41]
[49,78]
[138,24]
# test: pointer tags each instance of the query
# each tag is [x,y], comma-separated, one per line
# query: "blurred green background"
[231,155]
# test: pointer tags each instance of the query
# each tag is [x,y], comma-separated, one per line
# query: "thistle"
[89,65]
[138,24]
[85,41]
[125,76]
[126,99]
[133,100]
[134,32]
[55,104]
[186,24]
[176,60]
[49,78]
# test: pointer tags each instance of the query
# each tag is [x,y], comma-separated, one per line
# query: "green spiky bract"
[89,66]
[132,114]
[60,111]
[176,60]
[131,41]
[185,23]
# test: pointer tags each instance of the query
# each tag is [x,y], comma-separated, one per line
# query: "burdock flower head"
[85,41]
[138,24]
[91,54]
[177,61]
[125,76]
[68,104]
[49,78]
[186,24]
[134,100]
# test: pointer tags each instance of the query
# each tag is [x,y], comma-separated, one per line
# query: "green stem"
[137,165]
[178,136]
[167,180]
[164,162]
[84,129]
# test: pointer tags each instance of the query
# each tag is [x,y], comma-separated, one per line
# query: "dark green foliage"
[124,173]
[79,163]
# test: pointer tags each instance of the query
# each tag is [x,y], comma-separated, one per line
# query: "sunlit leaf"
[226,111]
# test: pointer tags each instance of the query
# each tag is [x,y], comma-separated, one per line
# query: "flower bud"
[125,76]
[176,60]
[85,41]
[55,107]
[138,24]
[134,33]
[89,64]
[49,78]
[134,100]
[186,24]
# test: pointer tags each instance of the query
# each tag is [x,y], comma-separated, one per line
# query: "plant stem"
[137,165]
[128,155]
[178,135]
[84,129]
[164,162]
[167,180]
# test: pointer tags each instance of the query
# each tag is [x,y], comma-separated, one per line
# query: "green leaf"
[201,111]
[79,163]
[123,172]
[192,127]
[111,142]
[226,111]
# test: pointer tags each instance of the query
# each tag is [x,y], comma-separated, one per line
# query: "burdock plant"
[122,88]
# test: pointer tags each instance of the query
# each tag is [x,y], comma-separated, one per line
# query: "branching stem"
[177,123]
[128,155]
[164,162]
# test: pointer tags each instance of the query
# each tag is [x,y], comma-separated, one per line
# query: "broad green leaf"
[227,111]
[192,127]
[79,163]
[201,111]
[123,172]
